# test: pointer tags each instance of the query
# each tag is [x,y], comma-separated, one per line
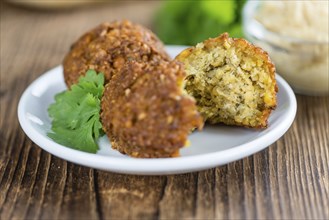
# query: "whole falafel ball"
[108,47]
[144,111]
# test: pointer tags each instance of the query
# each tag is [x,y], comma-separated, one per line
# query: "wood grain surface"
[288,180]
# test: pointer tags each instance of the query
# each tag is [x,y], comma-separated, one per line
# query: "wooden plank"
[129,196]
[39,187]
[249,201]
[221,193]
[11,182]
[24,192]
[205,201]
[262,186]
[52,191]
[279,180]
[79,199]
[179,199]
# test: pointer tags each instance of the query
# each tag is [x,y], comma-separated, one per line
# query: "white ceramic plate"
[214,146]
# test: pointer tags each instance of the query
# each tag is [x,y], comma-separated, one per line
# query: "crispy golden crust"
[108,47]
[144,112]
[214,89]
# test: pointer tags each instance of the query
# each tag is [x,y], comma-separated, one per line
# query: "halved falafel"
[232,81]
[108,47]
[144,111]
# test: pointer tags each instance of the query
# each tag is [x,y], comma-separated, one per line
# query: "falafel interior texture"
[232,81]
[144,111]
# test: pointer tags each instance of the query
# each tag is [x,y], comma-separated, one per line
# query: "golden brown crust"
[107,47]
[144,112]
[247,49]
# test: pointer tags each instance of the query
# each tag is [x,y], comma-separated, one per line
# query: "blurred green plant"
[190,22]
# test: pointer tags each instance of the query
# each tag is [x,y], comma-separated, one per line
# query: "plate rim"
[155,166]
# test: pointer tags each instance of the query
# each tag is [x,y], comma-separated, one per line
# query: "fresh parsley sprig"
[76,114]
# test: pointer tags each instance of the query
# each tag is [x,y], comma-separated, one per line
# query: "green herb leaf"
[76,114]
[189,22]
[222,11]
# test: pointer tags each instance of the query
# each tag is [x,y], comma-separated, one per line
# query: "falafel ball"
[232,81]
[144,111]
[108,47]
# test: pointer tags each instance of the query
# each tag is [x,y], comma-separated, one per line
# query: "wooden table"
[290,179]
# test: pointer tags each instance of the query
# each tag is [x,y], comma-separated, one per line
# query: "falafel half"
[232,81]
[108,47]
[144,111]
